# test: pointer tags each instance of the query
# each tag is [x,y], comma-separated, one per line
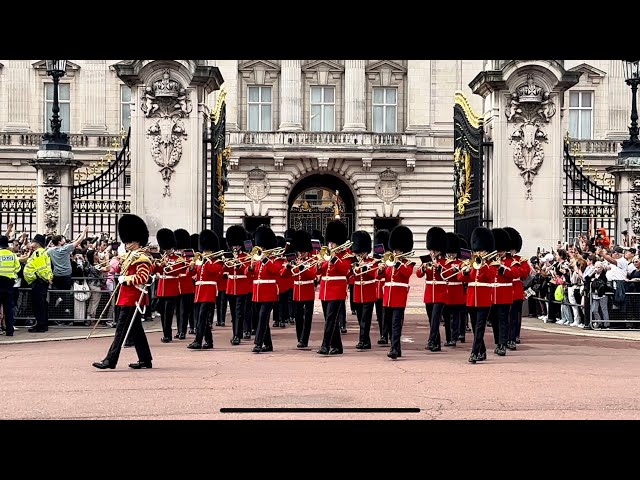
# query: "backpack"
[559,293]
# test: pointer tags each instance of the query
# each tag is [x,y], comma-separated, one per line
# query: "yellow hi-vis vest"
[9,264]
[38,266]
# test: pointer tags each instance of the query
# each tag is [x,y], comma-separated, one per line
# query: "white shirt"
[618,271]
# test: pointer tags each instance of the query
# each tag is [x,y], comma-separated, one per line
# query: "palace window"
[581,115]
[323,108]
[64,103]
[125,107]
[259,110]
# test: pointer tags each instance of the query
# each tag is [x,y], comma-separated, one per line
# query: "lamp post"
[56,140]
[631,147]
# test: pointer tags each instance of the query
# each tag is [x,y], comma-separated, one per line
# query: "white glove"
[121,279]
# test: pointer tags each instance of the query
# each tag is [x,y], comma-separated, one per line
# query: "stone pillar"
[18,93]
[291,96]
[229,71]
[355,99]
[54,183]
[94,81]
[419,94]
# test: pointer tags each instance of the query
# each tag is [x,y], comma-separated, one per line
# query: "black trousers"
[364,312]
[221,307]
[248,313]
[202,312]
[6,301]
[304,317]
[184,311]
[386,323]
[281,308]
[454,316]
[515,320]
[342,314]
[291,304]
[553,308]
[237,307]
[380,316]
[394,316]
[137,336]
[352,304]
[167,310]
[263,332]
[39,289]
[434,312]
[479,317]
[331,337]
[499,317]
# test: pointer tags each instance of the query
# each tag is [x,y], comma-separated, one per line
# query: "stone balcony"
[596,148]
[32,141]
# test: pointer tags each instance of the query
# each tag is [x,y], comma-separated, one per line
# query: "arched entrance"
[313,203]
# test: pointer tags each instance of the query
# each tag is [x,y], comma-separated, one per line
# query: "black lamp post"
[631,147]
[56,140]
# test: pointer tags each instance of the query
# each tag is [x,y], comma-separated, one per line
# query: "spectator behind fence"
[9,268]
[97,281]
[38,274]
[617,275]
[599,307]
[60,255]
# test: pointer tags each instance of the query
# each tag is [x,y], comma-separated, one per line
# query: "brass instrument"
[390,258]
[198,257]
[258,253]
[172,266]
[340,248]
[304,265]
[479,260]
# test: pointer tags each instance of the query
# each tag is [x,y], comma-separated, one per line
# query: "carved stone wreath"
[256,185]
[388,186]
[635,205]
[51,209]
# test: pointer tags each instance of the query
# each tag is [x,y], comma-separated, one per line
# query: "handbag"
[81,291]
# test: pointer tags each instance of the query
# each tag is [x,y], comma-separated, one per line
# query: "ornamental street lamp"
[631,147]
[55,139]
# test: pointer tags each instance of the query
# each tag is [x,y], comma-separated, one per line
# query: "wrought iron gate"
[215,167]
[99,202]
[586,205]
[18,206]
[311,218]
[467,167]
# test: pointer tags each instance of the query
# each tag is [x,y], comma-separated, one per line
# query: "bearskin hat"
[280,241]
[453,243]
[195,241]
[463,241]
[265,238]
[516,238]
[289,233]
[501,239]
[401,238]
[336,232]
[382,237]
[166,239]
[236,235]
[482,240]
[317,235]
[302,241]
[436,239]
[361,242]
[183,239]
[132,228]
[208,240]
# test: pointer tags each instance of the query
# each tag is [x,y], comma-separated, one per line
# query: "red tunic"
[265,286]
[365,286]
[303,283]
[207,276]
[525,270]
[396,286]
[503,284]
[167,282]
[455,288]
[238,283]
[479,286]
[333,282]
[136,275]
[435,288]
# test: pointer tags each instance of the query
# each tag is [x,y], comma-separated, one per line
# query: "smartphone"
[465,253]
[188,253]
[378,250]
[248,245]
[425,258]
[315,245]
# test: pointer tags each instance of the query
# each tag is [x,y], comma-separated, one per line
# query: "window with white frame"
[385,110]
[323,109]
[259,111]
[125,107]
[581,115]
[64,103]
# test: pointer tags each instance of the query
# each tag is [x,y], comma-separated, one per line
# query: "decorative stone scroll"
[635,206]
[51,209]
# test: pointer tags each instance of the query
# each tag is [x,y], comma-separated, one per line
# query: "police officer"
[38,274]
[9,268]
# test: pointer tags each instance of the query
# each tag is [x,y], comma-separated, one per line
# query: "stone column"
[619,101]
[94,83]
[54,184]
[291,96]
[18,93]
[419,94]
[229,71]
[355,99]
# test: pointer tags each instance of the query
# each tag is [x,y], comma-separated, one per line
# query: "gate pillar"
[523,169]
[627,184]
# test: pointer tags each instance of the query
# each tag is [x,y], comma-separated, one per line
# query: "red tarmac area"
[550,376]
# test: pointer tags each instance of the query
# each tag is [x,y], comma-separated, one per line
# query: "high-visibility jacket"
[38,266]
[9,264]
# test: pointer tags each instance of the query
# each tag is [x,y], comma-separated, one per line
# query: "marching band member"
[264,272]
[291,310]
[184,306]
[238,285]
[167,290]
[133,295]
[396,287]
[464,327]
[365,286]
[454,320]
[333,288]
[208,273]
[515,313]
[435,289]
[281,307]
[502,290]
[382,238]
[478,276]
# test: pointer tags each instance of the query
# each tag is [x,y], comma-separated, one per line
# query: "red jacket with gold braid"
[524,270]
[185,280]
[396,285]
[435,288]
[379,283]
[333,281]
[503,282]
[479,285]
[304,288]
[138,269]
[167,282]
[208,273]
[455,289]
[285,282]
[238,283]
[365,286]
[265,275]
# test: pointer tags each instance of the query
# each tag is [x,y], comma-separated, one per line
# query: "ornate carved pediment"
[267,65]
[41,67]
[593,74]
[327,65]
[396,66]
[259,71]
[386,72]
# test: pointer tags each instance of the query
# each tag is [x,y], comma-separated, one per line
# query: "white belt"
[302,282]
[454,283]
[234,277]
[517,280]
[168,276]
[334,278]
[365,282]
[502,284]
[206,282]
[480,284]
[396,284]
[264,281]
[437,282]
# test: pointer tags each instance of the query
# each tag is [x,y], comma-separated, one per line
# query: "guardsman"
[184,306]
[9,268]
[435,287]
[37,273]
[265,271]
[515,312]
[381,238]
[478,276]
[208,273]
[238,285]
[333,286]
[397,272]
[133,296]
[168,289]
[454,308]
[365,285]
[285,284]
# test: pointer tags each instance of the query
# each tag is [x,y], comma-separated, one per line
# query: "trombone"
[390,258]
[198,257]
[477,261]
[256,254]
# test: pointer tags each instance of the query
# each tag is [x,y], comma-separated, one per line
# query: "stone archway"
[313,203]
